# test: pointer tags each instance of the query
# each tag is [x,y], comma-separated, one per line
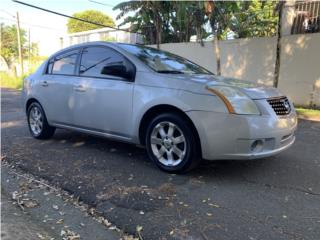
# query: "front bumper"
[232,136]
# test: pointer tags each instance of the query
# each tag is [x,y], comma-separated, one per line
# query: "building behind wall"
[101,34]
[300,17]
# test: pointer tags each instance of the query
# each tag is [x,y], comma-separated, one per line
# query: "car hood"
[197,83]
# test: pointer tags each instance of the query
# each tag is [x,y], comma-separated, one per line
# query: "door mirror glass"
[118,70]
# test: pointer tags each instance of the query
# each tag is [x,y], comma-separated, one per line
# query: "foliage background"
[177,21]
[89,15]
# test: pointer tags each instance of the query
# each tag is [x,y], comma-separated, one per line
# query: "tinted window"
[64,63]
[164,62]
[94,59]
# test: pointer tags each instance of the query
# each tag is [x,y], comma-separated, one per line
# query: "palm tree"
[147,16]
[165,21]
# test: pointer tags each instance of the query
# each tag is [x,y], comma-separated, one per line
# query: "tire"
[162,145]
[37,122]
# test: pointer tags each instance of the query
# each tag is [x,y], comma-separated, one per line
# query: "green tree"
[89,15]
[188,18]
[255,19]
[9,43]
[164,21]
[177,21]
[148,17]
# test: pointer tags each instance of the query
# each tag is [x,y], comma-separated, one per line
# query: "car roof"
[115,45]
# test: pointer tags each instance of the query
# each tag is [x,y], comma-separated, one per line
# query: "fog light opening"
[257,146]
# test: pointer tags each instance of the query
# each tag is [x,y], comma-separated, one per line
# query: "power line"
[11,15]
[105,4]
[67,16]
[33,25]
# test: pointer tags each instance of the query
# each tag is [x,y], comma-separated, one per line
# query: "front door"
[103,103]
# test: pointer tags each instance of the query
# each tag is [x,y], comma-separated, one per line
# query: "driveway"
[273,198]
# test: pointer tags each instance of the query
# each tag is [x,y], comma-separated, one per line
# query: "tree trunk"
[278,50]
[217,53]
[158,30]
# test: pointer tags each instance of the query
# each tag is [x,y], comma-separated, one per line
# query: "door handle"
[44,83]
[79,88]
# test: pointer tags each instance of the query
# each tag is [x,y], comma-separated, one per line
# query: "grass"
[308,113]
[8,81]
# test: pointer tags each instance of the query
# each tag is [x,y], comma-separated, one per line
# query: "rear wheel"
[171,143]
[37,122]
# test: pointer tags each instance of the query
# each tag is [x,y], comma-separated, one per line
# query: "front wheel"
[37,122]
[172,144]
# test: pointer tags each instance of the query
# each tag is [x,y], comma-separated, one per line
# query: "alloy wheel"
[36,120]
[168,143]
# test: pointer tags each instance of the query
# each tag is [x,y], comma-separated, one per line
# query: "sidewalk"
[20,226]
[32,211]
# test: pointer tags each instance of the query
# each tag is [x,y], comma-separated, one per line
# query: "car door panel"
[56,88]
[105,106]
[102,103]
[58,98]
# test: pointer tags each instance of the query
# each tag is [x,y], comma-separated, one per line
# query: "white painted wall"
[251,59]
[203,56]
[254,60]
[300,68]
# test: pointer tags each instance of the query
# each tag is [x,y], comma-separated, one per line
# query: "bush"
[8,81]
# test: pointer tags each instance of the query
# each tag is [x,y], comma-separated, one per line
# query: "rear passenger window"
[64,64]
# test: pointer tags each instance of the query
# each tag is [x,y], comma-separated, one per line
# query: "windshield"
[164,62]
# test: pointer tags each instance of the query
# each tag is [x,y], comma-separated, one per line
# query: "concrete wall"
[300,68]
[251,59]
[254,60]
[203,56]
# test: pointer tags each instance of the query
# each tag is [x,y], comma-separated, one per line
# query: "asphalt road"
[273,198]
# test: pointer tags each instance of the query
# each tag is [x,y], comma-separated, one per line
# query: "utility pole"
[29,50]
[19,44]
[1,30]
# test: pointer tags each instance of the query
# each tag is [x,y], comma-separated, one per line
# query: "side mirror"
[117,70]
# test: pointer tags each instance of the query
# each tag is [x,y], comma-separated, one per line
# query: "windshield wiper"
[170,71]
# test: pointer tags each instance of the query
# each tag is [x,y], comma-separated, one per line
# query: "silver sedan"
[180,111]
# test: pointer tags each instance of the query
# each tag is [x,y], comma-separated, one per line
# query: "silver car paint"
[114,108]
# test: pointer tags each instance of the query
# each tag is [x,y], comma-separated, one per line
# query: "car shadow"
[208,170]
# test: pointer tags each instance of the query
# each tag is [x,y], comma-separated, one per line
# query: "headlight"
[235,100]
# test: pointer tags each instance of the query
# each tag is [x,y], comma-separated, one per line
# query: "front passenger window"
[94,59]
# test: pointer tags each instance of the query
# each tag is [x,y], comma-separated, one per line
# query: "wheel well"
[31,100]
[155,111]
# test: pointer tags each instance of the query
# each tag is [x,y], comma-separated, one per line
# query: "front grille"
[281,105]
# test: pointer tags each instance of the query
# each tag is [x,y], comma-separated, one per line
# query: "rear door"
[103,102]
[57,87]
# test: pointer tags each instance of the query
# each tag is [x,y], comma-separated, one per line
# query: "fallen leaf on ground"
[55,207]
[60,221]
[214,205]
[139,228]
[30,203]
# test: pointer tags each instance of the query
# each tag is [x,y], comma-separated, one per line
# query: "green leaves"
[9,43]
[89,15]
[182,19]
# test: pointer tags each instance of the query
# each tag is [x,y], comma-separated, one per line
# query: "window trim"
[77,68]
[106,78]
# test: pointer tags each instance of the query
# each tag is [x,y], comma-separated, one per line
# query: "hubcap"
[168,143]
[35,120]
